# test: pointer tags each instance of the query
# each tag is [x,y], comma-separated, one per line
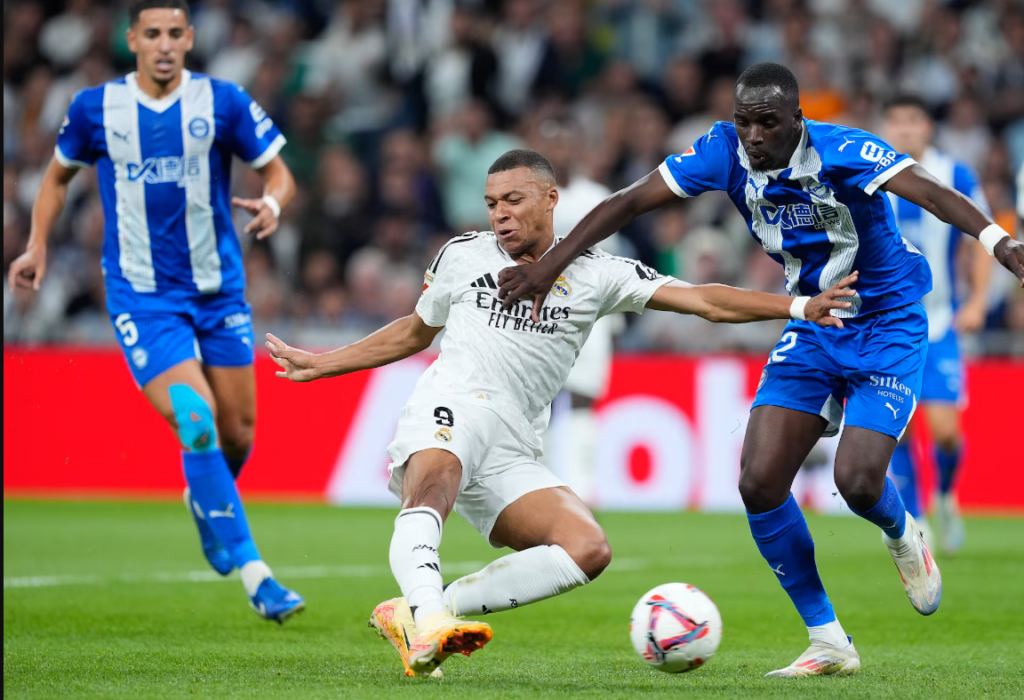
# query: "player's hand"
[1010,254]
[28,270]
[298,365]
[819,308]
[530,280]
[971,316]
[264,222]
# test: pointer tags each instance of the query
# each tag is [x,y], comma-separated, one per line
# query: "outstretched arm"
[721,304]
[395,341]
[605,219]
[278,191]
[915,184]
[28,270]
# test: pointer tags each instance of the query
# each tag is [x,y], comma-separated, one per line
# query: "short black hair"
[907,99]
[523,158]
[137,8]
[771,75]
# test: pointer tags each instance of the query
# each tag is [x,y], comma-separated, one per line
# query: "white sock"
[415,562]
[253,574]
[830,633]
[514,580]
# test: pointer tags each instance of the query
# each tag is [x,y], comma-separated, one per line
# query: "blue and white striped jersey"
[164,172]
[820,216]
[937,240]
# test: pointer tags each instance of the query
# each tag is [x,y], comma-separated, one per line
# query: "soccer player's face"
[908,129]
[160,40]
[519,205]
[768,127]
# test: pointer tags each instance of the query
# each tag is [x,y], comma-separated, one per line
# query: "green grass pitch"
[113,600]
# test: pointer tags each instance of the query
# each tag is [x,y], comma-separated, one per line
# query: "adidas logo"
[430,565]
[485,281]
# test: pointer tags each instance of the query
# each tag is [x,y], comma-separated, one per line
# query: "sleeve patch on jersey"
[645,272]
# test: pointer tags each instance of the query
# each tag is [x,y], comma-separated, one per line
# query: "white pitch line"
[284,572]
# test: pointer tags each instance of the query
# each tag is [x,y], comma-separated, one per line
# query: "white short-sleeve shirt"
[503,359]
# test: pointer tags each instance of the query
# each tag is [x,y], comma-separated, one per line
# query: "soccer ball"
[675,627]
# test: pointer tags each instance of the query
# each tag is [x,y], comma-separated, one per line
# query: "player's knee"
[759,490]
[947,440]
[859,489]
[236,437]
[591,552]
[193,419]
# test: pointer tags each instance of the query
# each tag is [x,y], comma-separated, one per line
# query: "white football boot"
[921,578]
[950,524]
[822,659]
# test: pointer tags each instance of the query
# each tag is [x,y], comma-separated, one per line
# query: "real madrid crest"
[561,288]
[443,435]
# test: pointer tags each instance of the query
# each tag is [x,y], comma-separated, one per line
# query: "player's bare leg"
[184,398]
[944,426]
[234,391]
[777,442]
[861,462]
[559,546]
[429,488]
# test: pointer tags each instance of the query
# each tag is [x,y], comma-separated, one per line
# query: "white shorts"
[497,468]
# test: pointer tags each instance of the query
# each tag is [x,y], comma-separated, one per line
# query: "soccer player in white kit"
[469,440]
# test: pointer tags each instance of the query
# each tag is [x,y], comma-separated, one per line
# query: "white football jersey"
[503,360]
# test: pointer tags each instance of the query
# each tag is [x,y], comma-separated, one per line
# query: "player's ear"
[190,38]
[552,198]
[130,35]
[798,115]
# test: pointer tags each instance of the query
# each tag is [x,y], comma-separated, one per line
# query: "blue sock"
[902,470]
[235,464]
[947,463]
[785,543]
[889,513]
[214,490]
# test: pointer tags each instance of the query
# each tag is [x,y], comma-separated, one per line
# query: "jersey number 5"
[126,327]
[444,416]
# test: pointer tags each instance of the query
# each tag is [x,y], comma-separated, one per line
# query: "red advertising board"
[671,430]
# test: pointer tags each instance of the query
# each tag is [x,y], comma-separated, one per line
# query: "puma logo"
[846,143]
[894,410]
[228,512]
[118,134]
[778,569]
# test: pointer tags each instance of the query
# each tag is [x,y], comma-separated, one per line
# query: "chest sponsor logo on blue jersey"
[155,171]
[790,216]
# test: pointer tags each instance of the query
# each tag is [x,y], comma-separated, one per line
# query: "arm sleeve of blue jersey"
[702,168]
[255,137]
[863,160]
[74,141]
[965,181]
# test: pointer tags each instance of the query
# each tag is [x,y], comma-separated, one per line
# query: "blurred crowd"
[394,110]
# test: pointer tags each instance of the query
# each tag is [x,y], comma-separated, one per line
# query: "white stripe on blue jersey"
[164,168]
[821,216]
[937,240]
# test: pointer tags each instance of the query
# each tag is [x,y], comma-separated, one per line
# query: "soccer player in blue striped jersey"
[813,195]
[162,140]
[909,128]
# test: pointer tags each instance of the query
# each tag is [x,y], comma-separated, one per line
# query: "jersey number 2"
[788,341]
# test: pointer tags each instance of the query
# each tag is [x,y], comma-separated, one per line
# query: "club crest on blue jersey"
[199,128]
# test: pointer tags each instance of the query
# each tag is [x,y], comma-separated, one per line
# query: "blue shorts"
[215,329]
[943,371]
[874,365]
